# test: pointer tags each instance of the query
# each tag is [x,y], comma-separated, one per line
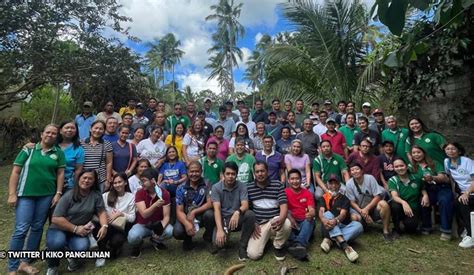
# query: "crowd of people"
[141,174]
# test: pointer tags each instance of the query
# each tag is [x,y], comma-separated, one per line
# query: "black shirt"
[260,116]
[336,205]
[386,166]
[373,135]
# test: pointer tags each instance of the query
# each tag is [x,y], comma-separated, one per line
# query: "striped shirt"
[265,202]
[95,157]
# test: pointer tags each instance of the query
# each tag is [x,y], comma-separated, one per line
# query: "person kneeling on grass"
[267,199]
[301,213]
[336,223]
[153,214]
[366,196]
[230,203]
[71,224]
[193,206]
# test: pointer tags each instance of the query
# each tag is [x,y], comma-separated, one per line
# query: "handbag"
[364,199]
[119,223]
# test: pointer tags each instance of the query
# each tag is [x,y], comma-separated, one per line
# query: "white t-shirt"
[251,126]
[135,184]
[195,147]
[152,152]
[125,204]
[462,174]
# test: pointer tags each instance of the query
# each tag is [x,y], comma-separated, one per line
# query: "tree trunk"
[56,105]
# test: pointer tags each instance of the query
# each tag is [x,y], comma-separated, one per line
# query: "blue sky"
[185,18]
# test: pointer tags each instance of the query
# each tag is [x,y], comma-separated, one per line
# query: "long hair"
[76,195]
[75,139]
[112,197]
[168,149]
[411,135]
[426,159]
[246,136]
[140,162]
[173,137]
[193,132]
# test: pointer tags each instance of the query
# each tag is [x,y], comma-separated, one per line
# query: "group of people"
[114,178]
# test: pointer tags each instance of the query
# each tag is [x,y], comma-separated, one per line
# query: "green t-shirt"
[326,167]
[171,122]
[438,168]
[432,143]
[349,133]
[398,138]
[38,170]
[212,171]
[409,192]
[245,174]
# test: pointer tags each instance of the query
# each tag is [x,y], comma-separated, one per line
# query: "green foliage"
[39,110]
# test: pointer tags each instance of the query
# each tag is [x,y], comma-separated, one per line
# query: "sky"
[186,20]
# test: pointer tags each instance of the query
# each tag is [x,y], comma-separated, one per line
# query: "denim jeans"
[303,235]
[348,231]
[58,240]
[30,216]
[140,231]
[443,196]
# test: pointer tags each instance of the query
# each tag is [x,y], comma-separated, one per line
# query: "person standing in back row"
[85,119]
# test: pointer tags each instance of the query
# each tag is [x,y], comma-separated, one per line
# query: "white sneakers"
[326,245]
[467,242]
[351,254]
[99,262]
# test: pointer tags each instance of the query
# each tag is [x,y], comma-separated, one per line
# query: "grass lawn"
[376,256]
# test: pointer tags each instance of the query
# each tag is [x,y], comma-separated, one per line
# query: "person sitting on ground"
[326,164]
[120,209]
[461,171]
[336,222]
[193,208]
[243,160]
[267,199]
[71,223]
[438,187]
[274,160]
[301,213]
[212,167]
[153,214]
[134,181]
[366,196]
[369,161]
[406,190]
[230,203]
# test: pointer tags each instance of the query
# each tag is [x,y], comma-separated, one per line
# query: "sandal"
[27,268]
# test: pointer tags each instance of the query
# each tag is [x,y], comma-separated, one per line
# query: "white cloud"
[246,53]
[258,36]
[259,12]
[198,82]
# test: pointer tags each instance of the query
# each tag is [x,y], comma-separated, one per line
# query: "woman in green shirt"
[438,188]
[406,189]
[430,141]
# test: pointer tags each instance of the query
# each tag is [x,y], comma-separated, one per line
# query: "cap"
[330,120]
[327,102]
[201,113]
[207,99]
[222,109]
[140,106]
[366,104]
[229,102]
[88,104]
[377,111]
[333,177]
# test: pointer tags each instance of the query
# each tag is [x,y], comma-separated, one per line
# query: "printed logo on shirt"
[214,165]
[201,192]
[427,140]
[414,185]
[462,171]
[334,162]
[303,200]
[53,156]
[401,134]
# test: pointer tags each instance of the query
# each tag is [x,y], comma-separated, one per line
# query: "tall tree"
[225,50]
[173,54]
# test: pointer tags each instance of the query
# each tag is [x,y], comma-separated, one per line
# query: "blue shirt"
[275,162]
[122,156]
[111,138]
[84,125]
[74,156]
[173,171]
[191,198]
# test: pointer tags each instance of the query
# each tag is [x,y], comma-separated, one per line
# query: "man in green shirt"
[326,164]
[397,135]
[349,130]
[212,167]
[172,120]
[243,160]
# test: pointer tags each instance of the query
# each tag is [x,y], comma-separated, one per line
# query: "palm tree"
[154,60]
[225,51]
[323,56]
[173,54]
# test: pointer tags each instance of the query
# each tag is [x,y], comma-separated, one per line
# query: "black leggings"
[398,215]
[464,213]
[114,239]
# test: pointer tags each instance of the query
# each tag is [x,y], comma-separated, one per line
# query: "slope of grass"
[376,256]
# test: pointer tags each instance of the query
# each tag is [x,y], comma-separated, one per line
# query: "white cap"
[366,104]
[207,98]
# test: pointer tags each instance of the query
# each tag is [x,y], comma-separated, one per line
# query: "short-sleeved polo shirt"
[409,192]
[230,198]
[211,171]
[349,133]
[398,137]
[420,171]
[191,198]
[275,162]
[265,201]
[334,165]
[432,143]
[462,173]
[337,141]
[39,170]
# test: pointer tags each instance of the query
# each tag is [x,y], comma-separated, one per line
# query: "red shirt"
[337,140]
[142,195]
[299,202]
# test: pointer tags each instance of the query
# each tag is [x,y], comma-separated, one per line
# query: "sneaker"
[52,271]
[280,254]
[445,237]
[326,245]
[298,251]
[351,254]
[99,262]
[158,245]
[72,265]
[467,242]
[387,237]
[136,252]
[425,232]
[188,245]
[243,257]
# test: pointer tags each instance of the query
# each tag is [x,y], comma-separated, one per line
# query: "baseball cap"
[366,104]
[87,104]
[333,177]
[140,106]
[330,120]
[207,99]
[327,102]
[377,111]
